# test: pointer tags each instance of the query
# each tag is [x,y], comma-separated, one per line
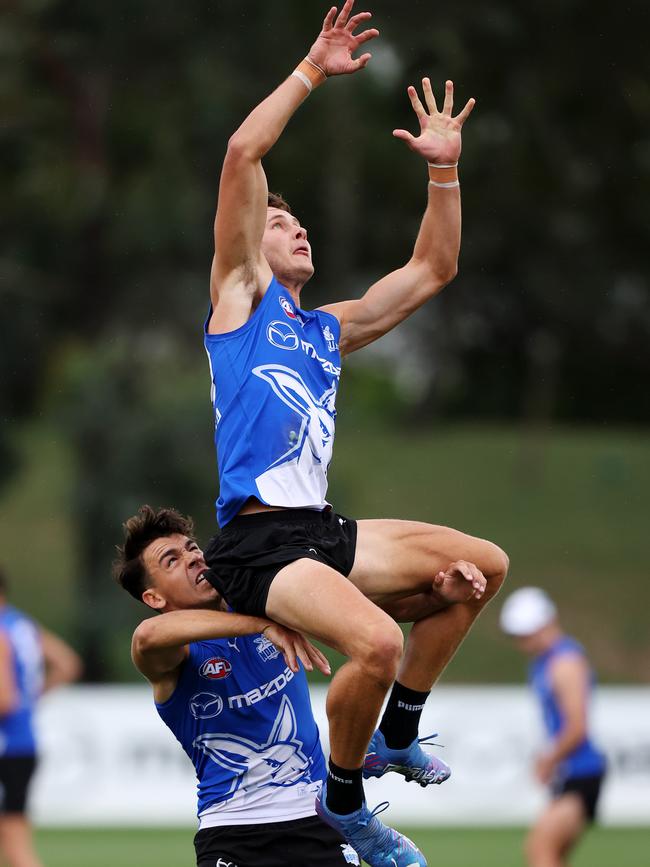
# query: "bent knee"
[495,569]
[380,651]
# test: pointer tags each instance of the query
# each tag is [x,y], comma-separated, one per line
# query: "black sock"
[399,724]
[344,790]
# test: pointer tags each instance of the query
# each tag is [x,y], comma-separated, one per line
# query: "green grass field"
[457,847]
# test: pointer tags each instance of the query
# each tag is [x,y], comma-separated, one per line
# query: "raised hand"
[440,139]
[336,42]
[294,646]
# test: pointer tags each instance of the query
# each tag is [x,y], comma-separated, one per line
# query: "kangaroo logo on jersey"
[278,762]
[205,705]
[281,335]
[266,649]
[349,854]
[313,443]
[287,306]
[328,334]
[216,668]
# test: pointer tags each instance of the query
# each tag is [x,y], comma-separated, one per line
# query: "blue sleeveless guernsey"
[245,721]
[585,760]
[274,384]
[17,727]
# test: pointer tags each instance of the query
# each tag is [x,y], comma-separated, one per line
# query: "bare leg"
[311,597]
[16,842]
[398,559]
[556,832]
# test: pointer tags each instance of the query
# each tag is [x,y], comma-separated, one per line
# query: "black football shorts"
[299,843]
[15,776]
[587,789]
[247,554]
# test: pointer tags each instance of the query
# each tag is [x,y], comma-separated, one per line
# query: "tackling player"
[233,691]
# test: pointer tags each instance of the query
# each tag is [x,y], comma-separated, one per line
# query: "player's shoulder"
[569,646]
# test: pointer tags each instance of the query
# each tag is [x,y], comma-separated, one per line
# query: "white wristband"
[442,165]
[302,77]
[449,185]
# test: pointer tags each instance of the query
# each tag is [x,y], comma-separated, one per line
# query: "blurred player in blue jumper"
[32,661]
[275,366]
[571,764]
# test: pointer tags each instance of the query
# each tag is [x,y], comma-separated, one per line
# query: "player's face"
[286,248]
[176,570]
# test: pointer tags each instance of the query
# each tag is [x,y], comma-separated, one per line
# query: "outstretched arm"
[435,255]
[239,270]
[160,644]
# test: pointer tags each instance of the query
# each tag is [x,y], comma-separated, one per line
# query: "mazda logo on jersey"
[205,705]
[281,335]
[215,668]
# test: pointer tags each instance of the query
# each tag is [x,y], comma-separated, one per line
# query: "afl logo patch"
[216,668]
[205,705]
[281,335]
[287,306]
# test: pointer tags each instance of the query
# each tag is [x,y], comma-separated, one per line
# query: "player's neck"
[293,287]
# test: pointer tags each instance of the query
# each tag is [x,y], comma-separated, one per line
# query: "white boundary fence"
[107,759]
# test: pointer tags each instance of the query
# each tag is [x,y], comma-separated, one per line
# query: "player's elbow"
[242,148]
[74,668]
[432,278]
[144,637]
[444,274]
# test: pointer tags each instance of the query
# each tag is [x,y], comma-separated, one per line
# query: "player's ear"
[153,599]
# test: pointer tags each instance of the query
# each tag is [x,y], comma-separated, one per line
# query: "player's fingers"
[289,654]
[357,19]
[405,135]
[302,653]
[319,659]
[329,18]
[418,108]
[360,62]
[342,20]
[428,96]
[366,35]
[461,567]
[465,113]
[449,98]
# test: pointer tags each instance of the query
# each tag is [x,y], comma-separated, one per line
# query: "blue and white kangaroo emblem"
[279,761]
[313,442]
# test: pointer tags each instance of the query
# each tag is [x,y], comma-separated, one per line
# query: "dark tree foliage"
[117,116]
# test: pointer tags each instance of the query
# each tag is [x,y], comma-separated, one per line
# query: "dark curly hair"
[140,531]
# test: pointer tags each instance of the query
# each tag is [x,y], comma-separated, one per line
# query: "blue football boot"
[375,843]
[412,763]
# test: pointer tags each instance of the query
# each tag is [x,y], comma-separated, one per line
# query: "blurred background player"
[571,765]
[32,661]
[233,692]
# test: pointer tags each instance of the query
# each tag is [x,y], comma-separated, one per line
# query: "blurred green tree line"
[116,118]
